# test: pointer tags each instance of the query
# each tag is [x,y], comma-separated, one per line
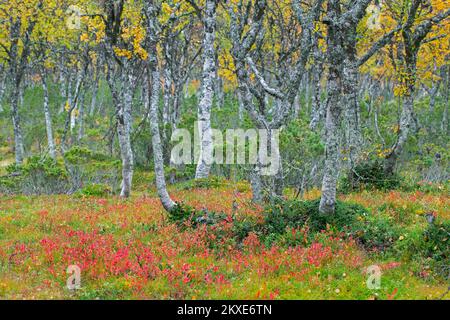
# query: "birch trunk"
[207,93]
[94,98]
[81,117]
[317,109]
[403,133]
[124,104]
[166,100]
[18,138]
[48,119]
[256,183]
[352,110]
[331,170]
[153,90]
[335,59]
[166,201]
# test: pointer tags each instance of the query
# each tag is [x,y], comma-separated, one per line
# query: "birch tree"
[18,21]
[124,34]
[208,18]
[246,32]
[151,10]
[417,30]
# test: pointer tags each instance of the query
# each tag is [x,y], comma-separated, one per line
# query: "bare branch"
[273,92]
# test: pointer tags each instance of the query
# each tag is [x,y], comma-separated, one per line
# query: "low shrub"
[366,175]
[429,247]
[95,190]
[86,167]
[38,175]
[204,183]
[352,220]
[183,214]
[293,222]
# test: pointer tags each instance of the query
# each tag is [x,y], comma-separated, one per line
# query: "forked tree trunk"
[403,134]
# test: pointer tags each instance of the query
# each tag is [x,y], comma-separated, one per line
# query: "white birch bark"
[207,91]
[48,119]
[2,86]
[153,90]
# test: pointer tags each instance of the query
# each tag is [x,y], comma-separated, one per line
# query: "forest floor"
[127,249]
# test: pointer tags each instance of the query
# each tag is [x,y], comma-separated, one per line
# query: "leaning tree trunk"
[48,120]
[154,87]
[153,100]
[403,133]
[207,93]
[407,119]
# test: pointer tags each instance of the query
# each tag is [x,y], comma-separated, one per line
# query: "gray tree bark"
[340,38]
[94,96]
[123,97]
[331,170]
[412,39]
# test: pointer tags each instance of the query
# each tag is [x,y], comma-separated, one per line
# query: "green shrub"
[429,247]
[38,175]
[86,167]
[204,183]
[378,231]
[293,222]
[10,185]
[95,190]
[353,220]
[295,214]
[183,214]
[369,174]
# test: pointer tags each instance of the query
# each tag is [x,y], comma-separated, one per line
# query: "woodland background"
[91,91]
